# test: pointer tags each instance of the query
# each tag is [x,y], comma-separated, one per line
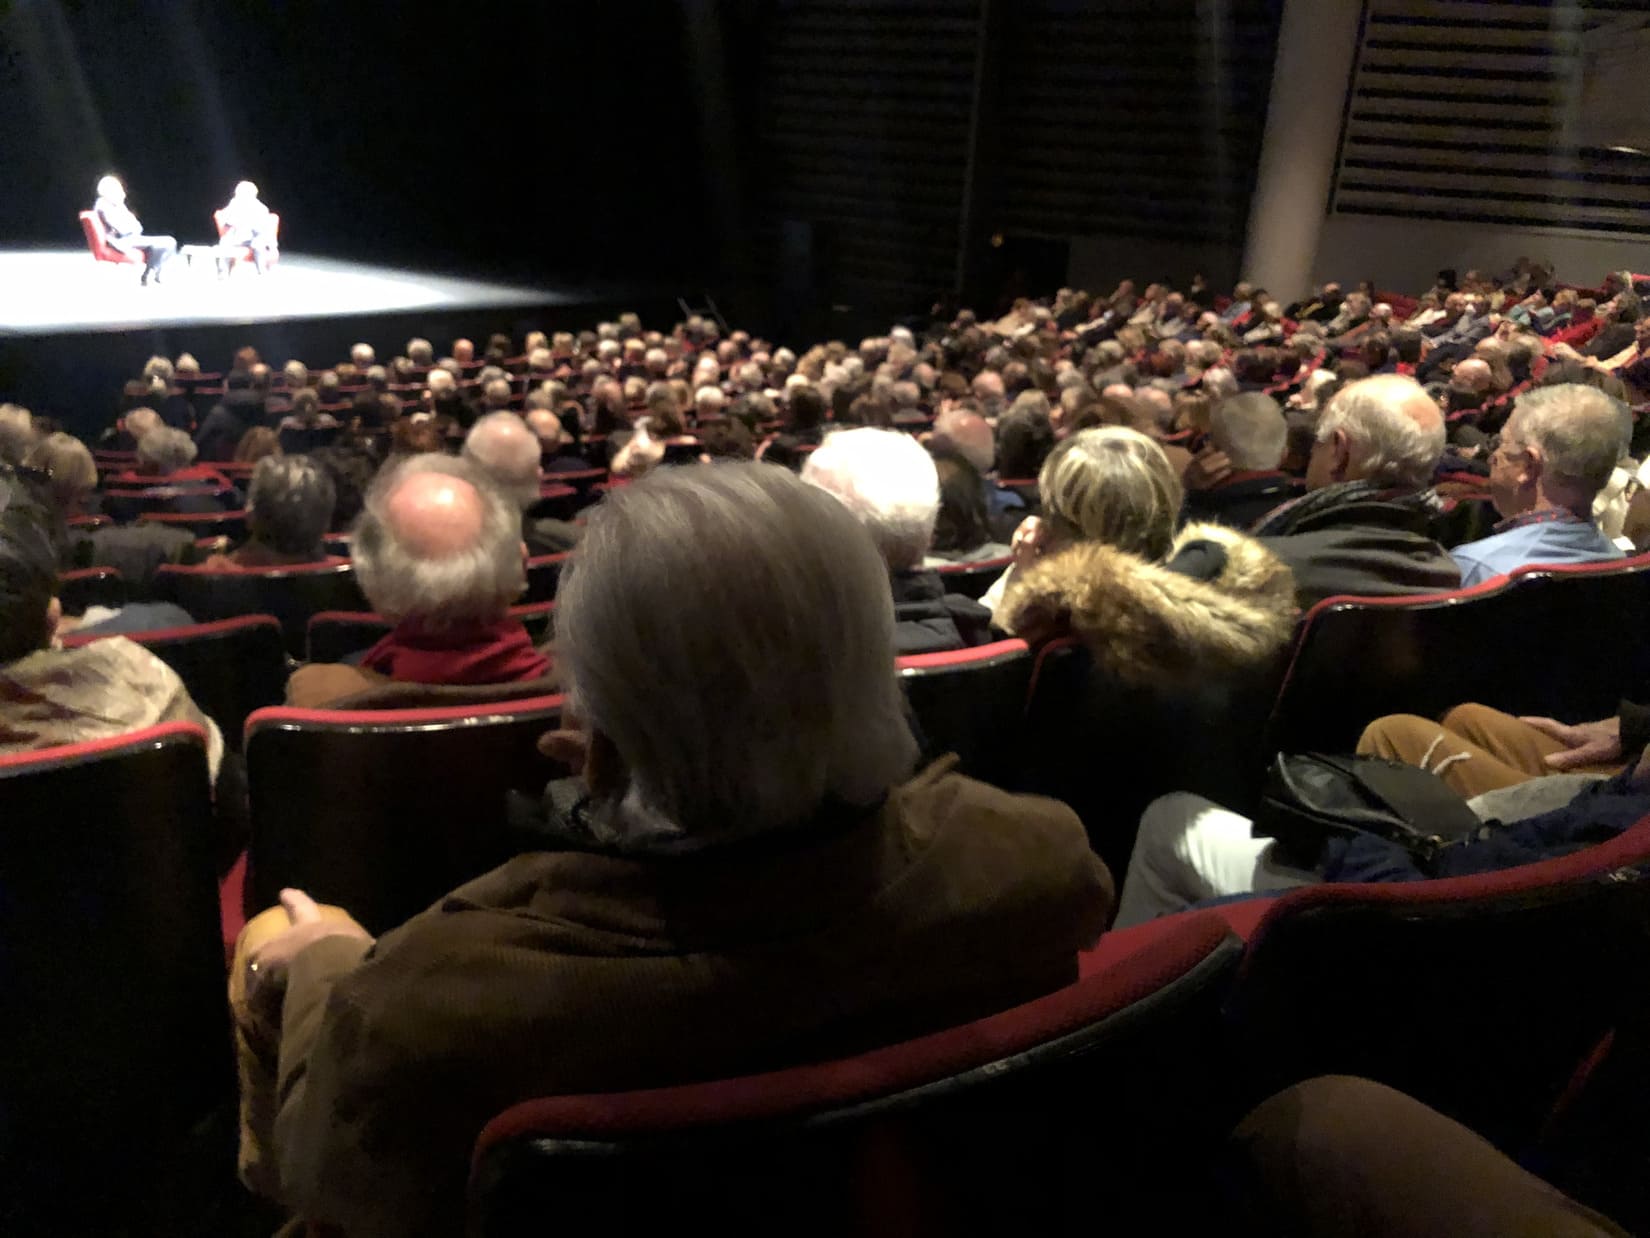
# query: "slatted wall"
[1467,112]
[865,136]
[1134,118]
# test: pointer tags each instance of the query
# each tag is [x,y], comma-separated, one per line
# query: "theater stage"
[52,291]
[72,330]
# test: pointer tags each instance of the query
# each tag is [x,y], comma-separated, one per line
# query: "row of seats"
[1484,1005]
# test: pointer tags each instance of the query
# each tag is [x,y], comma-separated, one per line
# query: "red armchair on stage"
[245,254]
[102,251]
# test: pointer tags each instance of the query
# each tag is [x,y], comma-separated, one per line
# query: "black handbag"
[1311,797]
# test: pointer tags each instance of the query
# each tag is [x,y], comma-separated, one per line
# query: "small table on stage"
[191,252]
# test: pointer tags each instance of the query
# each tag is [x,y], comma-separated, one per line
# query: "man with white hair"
[1249,430]
[890,484]
[1557,452]
[508,450]
[247,225]
[124,232]
[1364,526]
[438,552]
[743,875]
[362,356]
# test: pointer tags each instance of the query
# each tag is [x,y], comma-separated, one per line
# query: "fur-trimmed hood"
[1149,625]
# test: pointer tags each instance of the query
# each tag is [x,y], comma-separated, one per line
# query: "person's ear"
[1535,464]
[1342,448]
[54,620]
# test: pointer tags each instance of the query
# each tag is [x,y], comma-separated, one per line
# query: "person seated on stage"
[289,506]
[247,225]
[508,450]
[166,457]
[776,889]
[438,552]
[1557,451]
[1364,525]
[124,232]
[890,484]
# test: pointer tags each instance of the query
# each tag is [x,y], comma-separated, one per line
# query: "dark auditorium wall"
[888,142]
[554,139]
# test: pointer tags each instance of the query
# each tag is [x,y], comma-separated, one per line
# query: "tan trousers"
[1492,749]
[257,1052]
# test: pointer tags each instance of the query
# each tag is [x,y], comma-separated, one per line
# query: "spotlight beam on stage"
[46,291]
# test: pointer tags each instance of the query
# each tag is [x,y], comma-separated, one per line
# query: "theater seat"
[973,579]
[230,667]
[290,594]
[1025,1122]
[543,575]
[98,242]
[229,524]
[1568,642]
[1479,996]
[116,1046]
[90,586]
[384,811]
[335,635]
[970,702]
[125,506]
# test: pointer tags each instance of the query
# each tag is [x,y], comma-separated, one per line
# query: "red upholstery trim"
[543,560]
[333,565]
[1043,651]
[193,631]
[880,1072]
[1418,600]
[385,719]
[1607,567]
[1016,481]
[68,754]
[979,655]
[552,491]
[998,564]
[1631,847]
[90,573]
[231,910]
[325,617]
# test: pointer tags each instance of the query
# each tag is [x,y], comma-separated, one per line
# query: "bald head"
[464,351]
[439,543]
[546,427]
[504,447]
[1473,374]
[434,516]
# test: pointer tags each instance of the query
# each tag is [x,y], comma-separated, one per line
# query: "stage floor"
[49,291]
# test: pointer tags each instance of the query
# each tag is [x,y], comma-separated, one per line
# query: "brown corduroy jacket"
[567,972]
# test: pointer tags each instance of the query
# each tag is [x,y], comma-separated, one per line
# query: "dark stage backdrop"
[553,140]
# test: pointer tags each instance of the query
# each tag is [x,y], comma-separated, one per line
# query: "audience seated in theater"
[1104,563]
[241,408]
[438,552]
[166,457]
[257,444]
[289,508]
[1363,525]
[1557,451]
[507,450]
[17,433]
[708,883]
[890,484]
[50,695]
[297,429]
[1190,849]
[1248,437]
[1476,749]
[962,529]
[165,396]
